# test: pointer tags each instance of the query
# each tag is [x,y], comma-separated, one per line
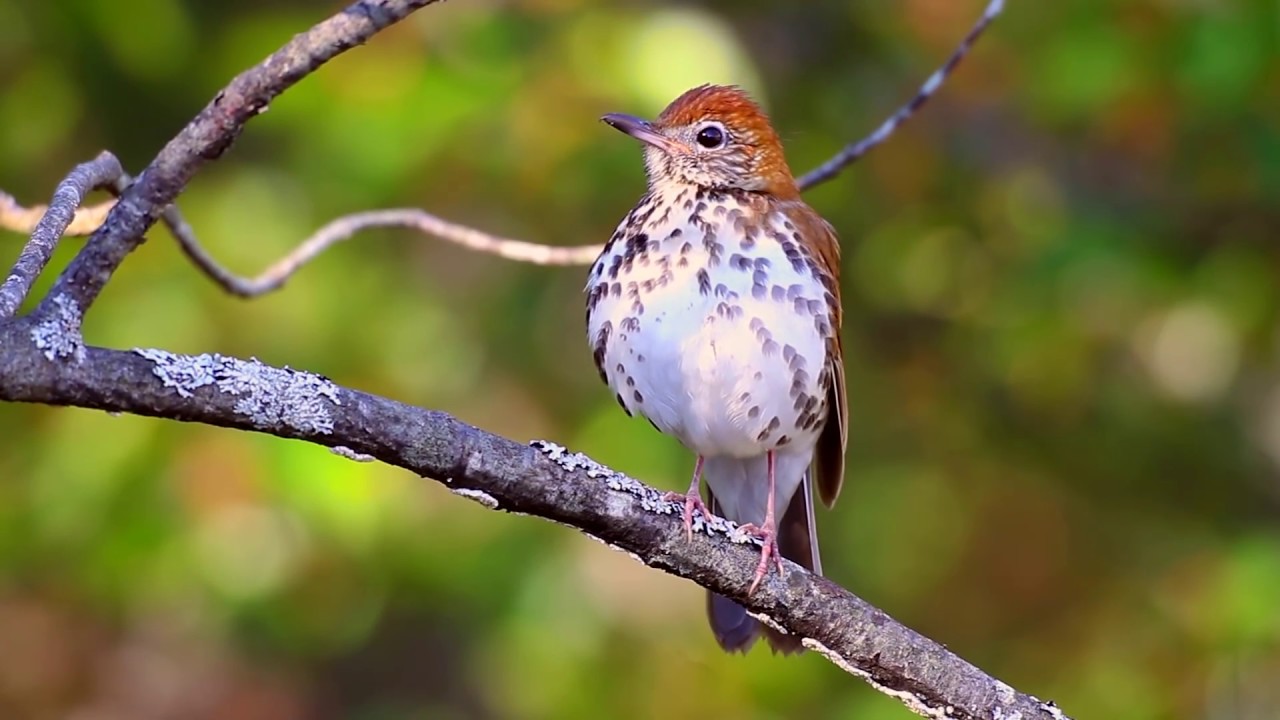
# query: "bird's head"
[712,136]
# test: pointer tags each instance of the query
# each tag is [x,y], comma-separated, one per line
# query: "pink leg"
[693,499]
[768,533]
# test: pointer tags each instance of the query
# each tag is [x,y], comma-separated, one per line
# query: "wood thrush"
[714,312]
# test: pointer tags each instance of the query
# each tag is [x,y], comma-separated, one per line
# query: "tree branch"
[346,226]
[99,172]
[208,136]
[542,480]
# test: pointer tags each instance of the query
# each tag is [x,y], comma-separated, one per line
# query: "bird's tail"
[734,629]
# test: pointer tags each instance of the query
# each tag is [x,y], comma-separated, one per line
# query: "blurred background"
[1062,295]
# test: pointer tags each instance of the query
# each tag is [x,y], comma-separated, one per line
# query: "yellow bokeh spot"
[676,49]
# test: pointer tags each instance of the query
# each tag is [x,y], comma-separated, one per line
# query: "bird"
[714,312]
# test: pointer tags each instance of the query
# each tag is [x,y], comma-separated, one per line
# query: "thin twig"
[344,227]
[851,153]
[101,171]
[16,218]
[209,135]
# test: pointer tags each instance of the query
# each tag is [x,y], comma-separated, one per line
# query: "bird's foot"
[692,500]
[770,550]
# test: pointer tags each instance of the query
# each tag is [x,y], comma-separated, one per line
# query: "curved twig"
[99,172]
[344,227]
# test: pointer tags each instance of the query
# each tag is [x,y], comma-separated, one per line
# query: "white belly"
[727,355]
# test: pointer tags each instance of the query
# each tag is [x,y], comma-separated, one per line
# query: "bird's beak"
[643,131]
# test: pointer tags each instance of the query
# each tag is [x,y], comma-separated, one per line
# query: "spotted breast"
[714,312]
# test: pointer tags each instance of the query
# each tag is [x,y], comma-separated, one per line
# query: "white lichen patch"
[348,453]
[610,545]
[479,496]
[265,394]
[1006,695]
[1051,708]
[914,702]
[58,335]
[651,500]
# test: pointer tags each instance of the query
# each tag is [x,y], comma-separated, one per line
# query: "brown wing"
[823,247]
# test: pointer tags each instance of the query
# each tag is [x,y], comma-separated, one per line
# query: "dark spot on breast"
[704,282]
[639,398]
[778,293]
[631,382]
[774,424]
[754,412]
[758,292]
[601,346]
[630,324]
[596,295]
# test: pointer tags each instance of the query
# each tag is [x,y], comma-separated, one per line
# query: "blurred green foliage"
[1062,291]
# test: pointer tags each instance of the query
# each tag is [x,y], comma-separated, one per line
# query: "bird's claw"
[770,550]
[691,501]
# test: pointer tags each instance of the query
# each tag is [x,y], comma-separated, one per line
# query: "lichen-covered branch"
[542,480]
[209,135]
[97,173]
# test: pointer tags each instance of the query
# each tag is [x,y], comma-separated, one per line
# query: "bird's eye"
[711,137]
